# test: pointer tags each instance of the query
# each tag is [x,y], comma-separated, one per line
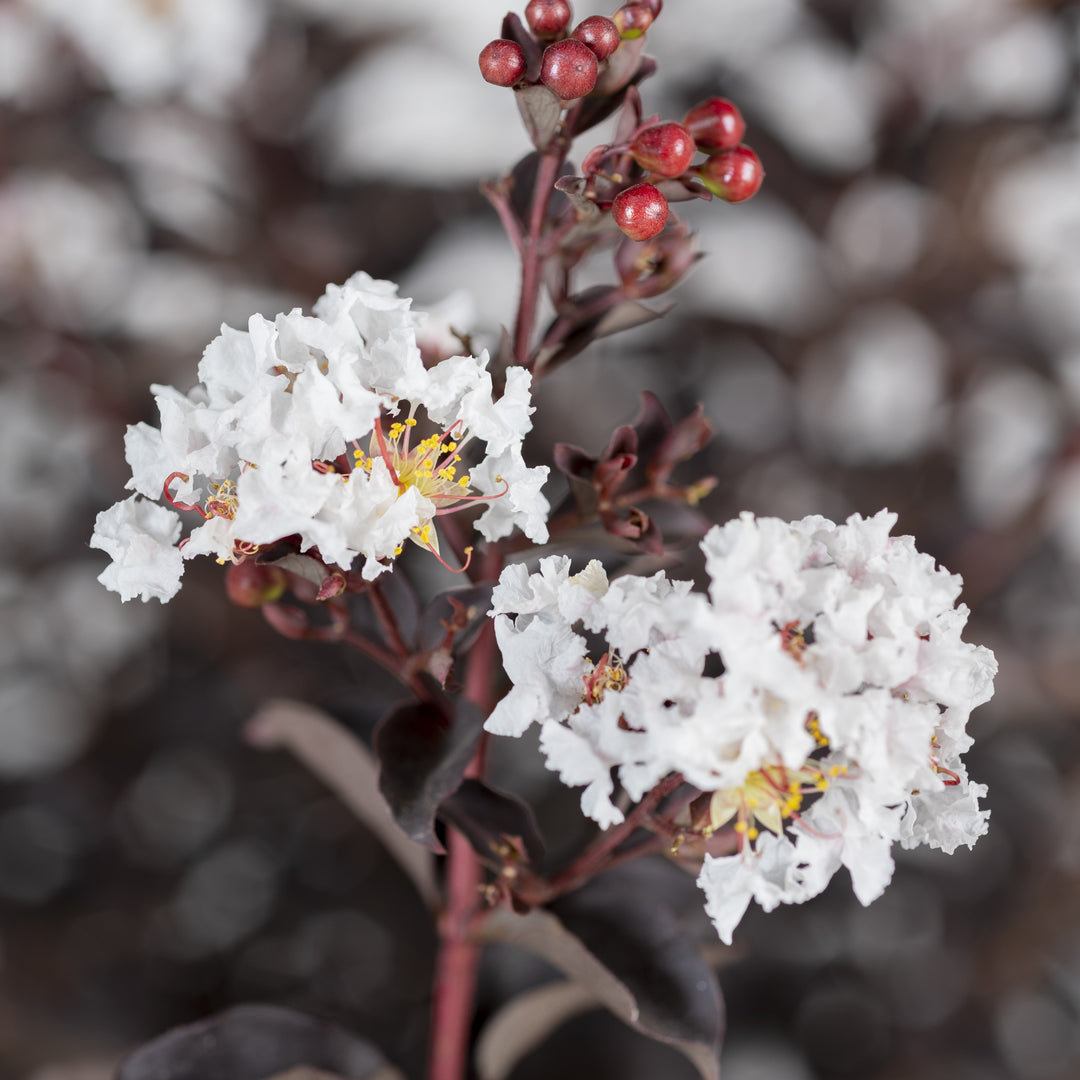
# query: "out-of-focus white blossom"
[267,446]
[149,49]
[834,730]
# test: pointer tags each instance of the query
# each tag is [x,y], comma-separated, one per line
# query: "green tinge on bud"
[249,584]
[632,20]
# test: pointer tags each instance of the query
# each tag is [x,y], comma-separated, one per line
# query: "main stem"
[531,256]
[459,957]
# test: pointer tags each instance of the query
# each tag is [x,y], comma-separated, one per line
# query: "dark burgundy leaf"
[652,425]
[630,952]
[626,316]
[400,595]
[630,116]
[687,438]
[621,68]
[682,189]
[573,461]
[571,187]
[489,818]
[614,82]
[642,944]
[251,1042]
[423,750]
[522,180]
[540,110]
[514,30]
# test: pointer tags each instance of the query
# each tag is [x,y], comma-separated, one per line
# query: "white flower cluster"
[832,727]
[268,446]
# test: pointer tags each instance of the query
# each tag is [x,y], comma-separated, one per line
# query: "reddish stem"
[459,957]
[601,854]
[546,175]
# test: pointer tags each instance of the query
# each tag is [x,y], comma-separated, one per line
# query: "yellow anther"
[740,826]
[464,481]
[752,833]
[397,550]
[410,422]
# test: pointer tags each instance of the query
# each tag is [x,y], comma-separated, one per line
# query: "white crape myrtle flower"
[328,428]
[834,728]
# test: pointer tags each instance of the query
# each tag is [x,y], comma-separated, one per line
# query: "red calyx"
[599,33]
[633,19]
[502,62]
[547,18]
[716,124]
[640,211]
[568,69]
[665,149]
[733,175]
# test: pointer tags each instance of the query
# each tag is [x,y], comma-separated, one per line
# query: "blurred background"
[894,321]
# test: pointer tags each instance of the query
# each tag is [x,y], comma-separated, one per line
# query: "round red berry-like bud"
[547,18]
[568,68]
[665,149]
[640,211]
[653,5]
[599,33]
[633,20]
[733,175]
[502,62]
[716,124]
[251,585]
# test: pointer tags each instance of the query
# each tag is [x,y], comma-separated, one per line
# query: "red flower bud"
[599,33]
[633,20]
[733,175]
[250,584]
[640,211]
[547,18]
[568,69]
[502,62]
[664,149]
[716,124]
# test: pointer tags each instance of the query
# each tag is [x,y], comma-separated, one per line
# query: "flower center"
[769,797]
[607,674]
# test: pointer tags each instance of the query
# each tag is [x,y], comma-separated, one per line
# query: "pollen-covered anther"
[608,674]
[793,639]
[769,797]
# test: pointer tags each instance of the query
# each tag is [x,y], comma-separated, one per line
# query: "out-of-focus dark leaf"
[423,749]
[641,943]
[626,316]
[687,438]
[253,1042]
[631,953]
[401,597]
[460,612]
[540,110]
[522,180]
[348,768]
[489,818]
[514,30]
[524,1023]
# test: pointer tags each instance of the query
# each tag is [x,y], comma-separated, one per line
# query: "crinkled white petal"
[140,537]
